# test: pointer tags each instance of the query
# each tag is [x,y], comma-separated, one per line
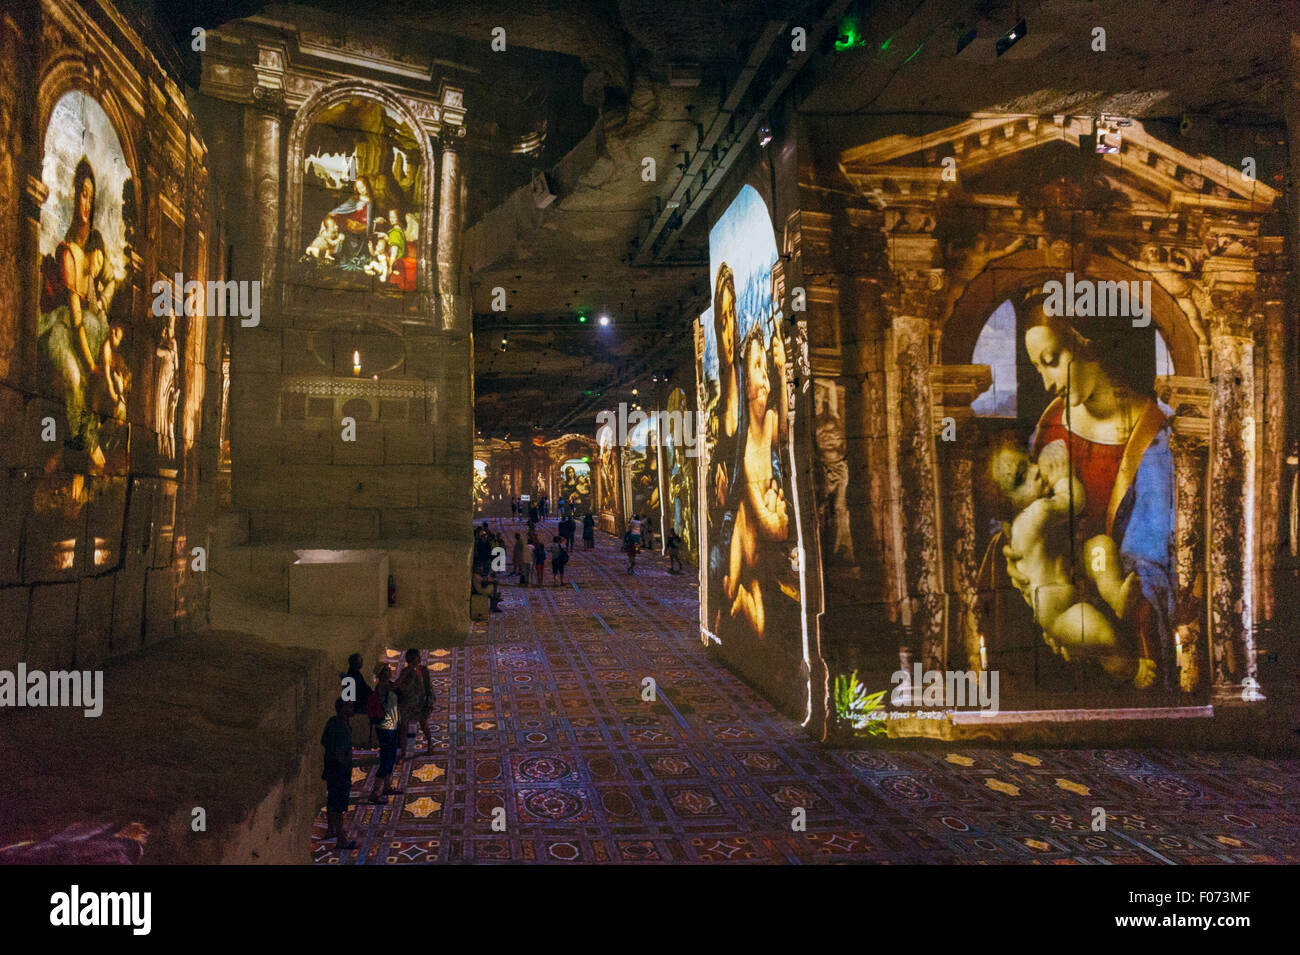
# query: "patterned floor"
[541,714]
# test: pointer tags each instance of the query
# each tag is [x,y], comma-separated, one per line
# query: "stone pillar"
[1189,444]
[916,464]
[1231,537]
[955,387]
[262,131]
[451,221]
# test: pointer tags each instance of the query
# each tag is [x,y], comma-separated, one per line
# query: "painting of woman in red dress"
[1117,438]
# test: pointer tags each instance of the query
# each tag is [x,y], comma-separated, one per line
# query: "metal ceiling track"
[653,245]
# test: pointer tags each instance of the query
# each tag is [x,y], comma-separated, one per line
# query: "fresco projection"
[575,485]
[609,489]
[1075,501]
[363,188]
[642,463]
[679,467]
[480,485]
[87,222]
[751,587]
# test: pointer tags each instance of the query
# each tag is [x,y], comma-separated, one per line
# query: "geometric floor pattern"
[541,715]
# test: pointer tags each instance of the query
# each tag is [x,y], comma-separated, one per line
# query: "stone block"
[160,605]
[367,449]
[256,351]
[13,625]
[51,627]
[268,571]
[304,443]
[347,524]
[94,621]
[408,445]
[348,583]
[16,493]
[128,610]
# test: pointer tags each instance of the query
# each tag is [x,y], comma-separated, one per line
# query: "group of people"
[529,557]
[639,532]
[483,579]
[534,510]
[395,707]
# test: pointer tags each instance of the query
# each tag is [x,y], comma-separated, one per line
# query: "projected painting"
[87,222]
[1076,497]
[480,485]
[609,491]
[642,462]
[362,190]
[575,485]
[752,594]
[679,468]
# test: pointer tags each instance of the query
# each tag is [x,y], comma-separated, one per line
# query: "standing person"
[517,558]
[514,508]
[559,557]
[567,528]
[673,542]
[337,740]
[634,528]
[525,560]
[416,689]
[387,731]
[539,561]
[588,531]
[360,685]
[532,514]
[629,548]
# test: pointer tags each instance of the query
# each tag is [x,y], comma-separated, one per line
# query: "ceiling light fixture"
[604,320]
[1011,37]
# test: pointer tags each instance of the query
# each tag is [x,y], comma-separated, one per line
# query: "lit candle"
[356,363]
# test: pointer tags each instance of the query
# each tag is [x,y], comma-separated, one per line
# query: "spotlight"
[764,134]
[604,320]
[503,343]
[635,391]
[582,319]
[1011,37]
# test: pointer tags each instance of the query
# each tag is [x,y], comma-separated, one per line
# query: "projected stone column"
[910,303]
[1231,502]
[451,219]
[262,130]
[955,387]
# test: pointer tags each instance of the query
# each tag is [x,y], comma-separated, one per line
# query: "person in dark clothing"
[482,551]
[337,740]
[539,561]
[360,685]
[567,528]
[532,513]
[386,730]
[588,530]
[673,544]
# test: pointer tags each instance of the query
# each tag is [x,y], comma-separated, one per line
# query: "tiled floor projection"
[541,712]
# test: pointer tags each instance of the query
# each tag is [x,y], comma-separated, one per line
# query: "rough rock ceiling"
[601,71]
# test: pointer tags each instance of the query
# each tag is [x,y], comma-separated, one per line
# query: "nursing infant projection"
[1046,494]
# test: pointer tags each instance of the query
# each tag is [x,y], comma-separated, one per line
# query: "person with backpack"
[383,709]
[559,557]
